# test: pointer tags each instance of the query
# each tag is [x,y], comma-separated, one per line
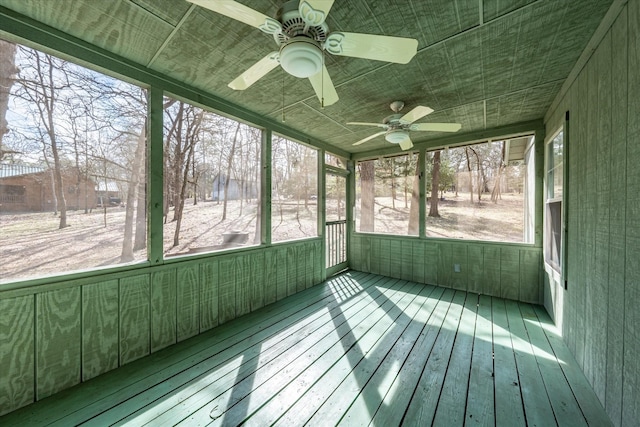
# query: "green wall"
[599,313]
[503,270]
[53,336]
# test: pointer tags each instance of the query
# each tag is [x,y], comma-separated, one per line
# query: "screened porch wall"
[71,331]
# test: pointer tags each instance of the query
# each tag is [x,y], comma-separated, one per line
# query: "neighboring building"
[27,188]
[237,189]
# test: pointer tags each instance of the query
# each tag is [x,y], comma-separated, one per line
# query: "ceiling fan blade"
[256,72]
[323,86]
[314,12]
[370,46]
[415,114]
[241,13]
[406,144]
[436,127]
[370,137]
[380,125]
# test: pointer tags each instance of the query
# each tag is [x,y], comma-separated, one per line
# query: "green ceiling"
[482,63]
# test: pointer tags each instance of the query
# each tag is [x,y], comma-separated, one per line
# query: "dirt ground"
[32,245]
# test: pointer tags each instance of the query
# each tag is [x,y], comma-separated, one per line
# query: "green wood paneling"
[445,266]
[258,280]
[282,288]
[209,285]
[243,285]
[227,289]
[270,276]
[58,340]
[459,256]
[135,317]
[475,267]
[301,268]
[99,328]
[188,302]
[431,263]
[16,353]
[419,260]
[617,205]
[292,270]
[163,309]
[530,265]
[396,261]
[384,255]
[509,273]
[406,269]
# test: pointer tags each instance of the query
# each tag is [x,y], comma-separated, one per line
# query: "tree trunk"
[435,182]
[127,242]
[367,196]
[228,178]
[8,71]
[414,210]
[470,174]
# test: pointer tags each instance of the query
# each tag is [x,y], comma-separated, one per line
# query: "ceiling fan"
[397,126]
[302,35]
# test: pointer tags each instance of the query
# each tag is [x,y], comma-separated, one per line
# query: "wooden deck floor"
[360,349]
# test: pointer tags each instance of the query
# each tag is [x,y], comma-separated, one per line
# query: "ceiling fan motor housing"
[301,57]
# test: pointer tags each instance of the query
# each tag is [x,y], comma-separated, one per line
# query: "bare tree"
[8,71]
[367,196]
[435,183]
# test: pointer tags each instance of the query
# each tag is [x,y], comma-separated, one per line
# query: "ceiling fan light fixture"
[397,136]
[301,57]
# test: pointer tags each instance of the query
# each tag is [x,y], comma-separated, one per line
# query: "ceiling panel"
[481,63]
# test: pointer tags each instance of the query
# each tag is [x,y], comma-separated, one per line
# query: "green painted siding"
[502,270]
[598,312]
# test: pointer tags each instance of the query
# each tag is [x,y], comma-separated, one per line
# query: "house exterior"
[237,188]
[27,188]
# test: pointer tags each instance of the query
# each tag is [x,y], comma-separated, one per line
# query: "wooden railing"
[336,238]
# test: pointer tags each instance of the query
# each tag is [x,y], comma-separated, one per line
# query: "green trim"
[422,207]
[265,188]
[155,178]
[510,131]
[322,213]
[449,240]
[539,185]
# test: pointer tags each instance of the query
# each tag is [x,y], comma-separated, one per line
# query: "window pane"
[473,194]
[335,161]
[72,168]
[555,166]
[336,205]
[553,233]
[211,181]
[294,190]
[387,195]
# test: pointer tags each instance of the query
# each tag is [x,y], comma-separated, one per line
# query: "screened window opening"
[294,190]
[387,195]
[72,168]
[480,191]
[554,182]
[211,181]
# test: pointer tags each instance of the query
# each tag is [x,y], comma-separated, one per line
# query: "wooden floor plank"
[537,407]
[509,410]
[393,405]
[265,345]
[368,401]
[334,407]
[425,397]
[308,369]
[359,349]
[219,396]
[565,407]
[456,381]
[480,403]
[582,391]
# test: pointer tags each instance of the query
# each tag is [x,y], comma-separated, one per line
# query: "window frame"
[550,198]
